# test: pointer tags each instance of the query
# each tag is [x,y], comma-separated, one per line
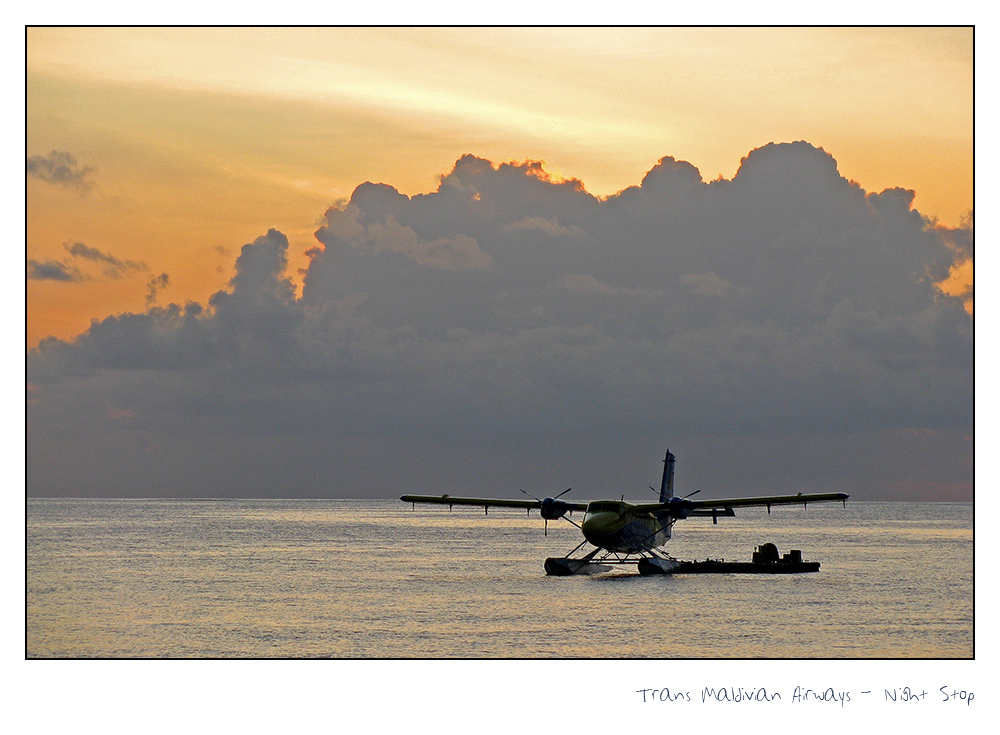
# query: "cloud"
[113,267]
[585,284]
[510,322]
[53,270]
[707,284]
[60,168]
[450,253]
[67,270]
[548,226]
[153,287]
[961,241]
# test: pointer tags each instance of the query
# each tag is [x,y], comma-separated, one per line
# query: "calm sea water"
[377,579]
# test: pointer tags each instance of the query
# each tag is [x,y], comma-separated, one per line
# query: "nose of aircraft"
[597,525]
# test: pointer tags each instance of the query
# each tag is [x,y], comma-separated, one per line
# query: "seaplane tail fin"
[667,483]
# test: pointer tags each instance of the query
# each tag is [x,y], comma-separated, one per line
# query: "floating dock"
[765,560]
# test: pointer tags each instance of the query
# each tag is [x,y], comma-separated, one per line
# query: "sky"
[361,262]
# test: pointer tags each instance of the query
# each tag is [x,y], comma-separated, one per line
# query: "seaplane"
[626,533]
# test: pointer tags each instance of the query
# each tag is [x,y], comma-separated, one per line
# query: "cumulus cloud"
[445,253]
[548,226]
[510,322]
[585,284]
[60,168]
[960,240]
[706,284]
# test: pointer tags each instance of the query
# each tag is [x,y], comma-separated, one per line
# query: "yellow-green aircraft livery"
[626,533]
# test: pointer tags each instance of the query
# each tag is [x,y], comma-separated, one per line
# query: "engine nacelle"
[680,508]
[552,509]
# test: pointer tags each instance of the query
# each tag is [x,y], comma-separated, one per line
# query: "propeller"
[684,498]
[551,508]
[679,508]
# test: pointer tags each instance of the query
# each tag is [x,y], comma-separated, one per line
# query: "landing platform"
[745,567]
[765,560]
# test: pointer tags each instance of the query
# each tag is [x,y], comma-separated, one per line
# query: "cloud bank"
[778,331]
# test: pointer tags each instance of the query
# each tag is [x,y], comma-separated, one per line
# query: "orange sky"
[199,140]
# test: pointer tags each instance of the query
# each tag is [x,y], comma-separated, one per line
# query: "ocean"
[358,579]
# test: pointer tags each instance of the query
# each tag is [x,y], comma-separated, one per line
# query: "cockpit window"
[604,506]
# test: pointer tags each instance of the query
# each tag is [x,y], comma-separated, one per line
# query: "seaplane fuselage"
[620,526]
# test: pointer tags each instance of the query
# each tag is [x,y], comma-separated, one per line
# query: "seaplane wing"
[770,500]
[489,502]
[720,506]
